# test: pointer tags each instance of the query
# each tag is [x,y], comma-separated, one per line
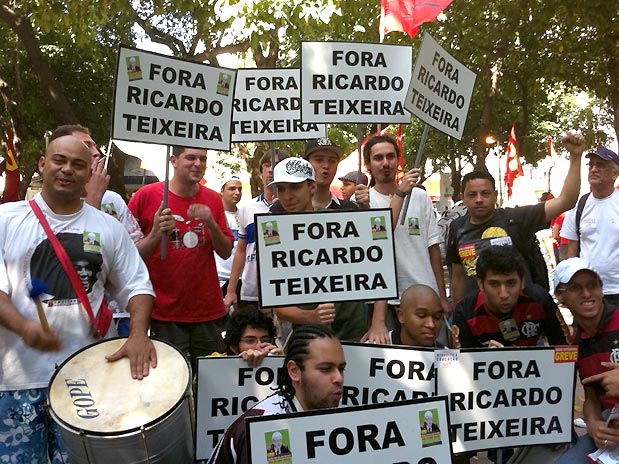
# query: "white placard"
[350,82]
[510,396]
[325,256]
[226,388]
[267,107]
[169,101]
[379,374]
[385,433]
[440,89]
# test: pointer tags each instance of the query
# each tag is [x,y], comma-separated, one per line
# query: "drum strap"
[104,317]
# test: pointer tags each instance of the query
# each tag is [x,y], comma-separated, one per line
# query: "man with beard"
[312,377]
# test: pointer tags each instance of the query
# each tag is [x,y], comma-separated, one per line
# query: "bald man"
[28,352]
[420,316]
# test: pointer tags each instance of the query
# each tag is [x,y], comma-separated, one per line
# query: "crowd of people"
[182,261]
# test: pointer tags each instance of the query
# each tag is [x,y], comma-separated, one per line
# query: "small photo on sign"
[379,231]
[413,226]
[223,83]
[430,428]
[278,447]
[134,71]
[270,233]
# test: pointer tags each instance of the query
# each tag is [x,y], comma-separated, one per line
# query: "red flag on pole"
[11,174]
[407,15]
[514,168]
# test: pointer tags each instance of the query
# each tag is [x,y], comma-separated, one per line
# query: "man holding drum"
[32,344]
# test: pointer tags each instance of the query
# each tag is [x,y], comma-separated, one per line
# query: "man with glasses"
[592,228]
[250,335]
[578,286]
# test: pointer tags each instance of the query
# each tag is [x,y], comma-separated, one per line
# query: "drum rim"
[129,431]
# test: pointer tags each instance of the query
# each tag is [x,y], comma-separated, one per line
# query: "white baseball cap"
[293,170]
[568,267]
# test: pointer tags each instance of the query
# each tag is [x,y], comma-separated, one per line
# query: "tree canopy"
[546,65]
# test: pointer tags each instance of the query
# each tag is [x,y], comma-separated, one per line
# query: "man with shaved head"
[420,316]
[29,350]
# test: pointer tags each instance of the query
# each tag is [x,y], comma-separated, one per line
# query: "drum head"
[94,395]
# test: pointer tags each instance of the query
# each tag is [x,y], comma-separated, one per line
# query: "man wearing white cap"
[296,185]
[591,228]
[579,287]
[231,192]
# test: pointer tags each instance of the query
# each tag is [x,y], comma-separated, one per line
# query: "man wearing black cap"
[324,155]
[350,182]
[592,228]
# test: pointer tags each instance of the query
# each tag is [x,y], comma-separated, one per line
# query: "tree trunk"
[487,117]
[50,87]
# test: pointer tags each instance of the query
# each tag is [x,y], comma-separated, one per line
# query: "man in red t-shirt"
[189,311]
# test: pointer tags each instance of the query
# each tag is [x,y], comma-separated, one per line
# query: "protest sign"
[226,388]
[440,89]
[351,82]
[509,396]
[311,258]
[267,107]
[169,101]
[378,373]
[406,432]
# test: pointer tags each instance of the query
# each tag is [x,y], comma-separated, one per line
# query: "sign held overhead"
[347,82]
[267,107]
[440,89]
[169,101]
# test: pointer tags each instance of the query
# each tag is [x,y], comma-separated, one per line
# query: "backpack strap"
[579,209]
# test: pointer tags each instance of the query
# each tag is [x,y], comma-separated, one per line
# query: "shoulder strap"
[61,253]
[579,209]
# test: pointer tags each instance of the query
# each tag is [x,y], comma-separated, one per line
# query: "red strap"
[76,283]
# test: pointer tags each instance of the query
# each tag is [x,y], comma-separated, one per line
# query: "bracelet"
[400,193]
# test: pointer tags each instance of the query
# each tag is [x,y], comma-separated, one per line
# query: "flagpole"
[166,187]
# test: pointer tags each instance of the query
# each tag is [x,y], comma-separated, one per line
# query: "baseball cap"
[293,170]
[322,143]
[229,178]
[566,269]
[355,176]
[605,154]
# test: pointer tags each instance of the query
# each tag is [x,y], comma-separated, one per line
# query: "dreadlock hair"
[243,318]
[297,350]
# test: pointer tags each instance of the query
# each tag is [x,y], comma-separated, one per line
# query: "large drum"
[106,417]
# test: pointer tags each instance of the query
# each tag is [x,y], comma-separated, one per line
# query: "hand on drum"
[141,353]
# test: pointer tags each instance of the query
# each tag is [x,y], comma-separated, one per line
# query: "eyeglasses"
[599,165]
[576,289]
[255,340]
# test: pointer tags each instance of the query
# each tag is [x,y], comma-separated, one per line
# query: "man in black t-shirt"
[486,225]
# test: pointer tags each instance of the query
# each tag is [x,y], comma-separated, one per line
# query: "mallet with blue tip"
[38,288]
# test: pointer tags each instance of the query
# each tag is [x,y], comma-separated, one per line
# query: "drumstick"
[38,288]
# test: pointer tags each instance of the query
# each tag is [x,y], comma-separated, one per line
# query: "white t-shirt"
[104,257]
[412,240]
[224,266]
[599,237]
[249,289]
[114,205]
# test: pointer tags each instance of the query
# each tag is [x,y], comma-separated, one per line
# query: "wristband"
[400,193]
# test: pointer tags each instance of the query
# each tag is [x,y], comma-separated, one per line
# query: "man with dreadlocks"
[312,378]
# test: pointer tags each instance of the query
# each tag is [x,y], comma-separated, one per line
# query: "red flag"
[513,169]
[407,15]
[11,184]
